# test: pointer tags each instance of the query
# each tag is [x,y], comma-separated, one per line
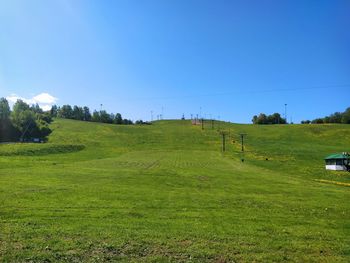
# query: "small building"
[338,162]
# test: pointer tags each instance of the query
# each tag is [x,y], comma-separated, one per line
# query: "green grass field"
[165,192]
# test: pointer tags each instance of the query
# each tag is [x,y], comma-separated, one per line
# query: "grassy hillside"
[166,192]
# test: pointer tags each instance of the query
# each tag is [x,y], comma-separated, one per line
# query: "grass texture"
[167,193]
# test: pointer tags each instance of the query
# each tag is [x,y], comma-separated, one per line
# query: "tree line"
[24,122]
[336,117]
[262,118]
[28,122]
[84,114]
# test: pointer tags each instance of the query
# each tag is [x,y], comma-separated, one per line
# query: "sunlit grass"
[166,192]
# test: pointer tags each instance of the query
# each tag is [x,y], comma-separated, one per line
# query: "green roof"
[337,156]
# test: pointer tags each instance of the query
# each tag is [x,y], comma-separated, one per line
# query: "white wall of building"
[336,167]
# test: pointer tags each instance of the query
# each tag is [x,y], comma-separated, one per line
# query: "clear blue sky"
[232,59]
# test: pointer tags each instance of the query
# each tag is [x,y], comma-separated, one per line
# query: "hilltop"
[166,192]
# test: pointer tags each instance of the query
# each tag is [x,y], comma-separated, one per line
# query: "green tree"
[78,113]
[262,119]
[4,109]
[277,119]
[305,122]
[255,119]
[7,131]
[24,121]
[66,112]
[127,122]
[20,106]
[96,116]
[45,117]
[268,119]
[40,130]
[346,116]
[318,121]
[334,118]
[118,119]
[53,111]
[36,108]
[28,122]
[105,117]
[86,113]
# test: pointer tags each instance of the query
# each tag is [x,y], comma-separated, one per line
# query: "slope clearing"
[166,192]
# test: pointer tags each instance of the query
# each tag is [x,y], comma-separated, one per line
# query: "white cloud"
[45,100]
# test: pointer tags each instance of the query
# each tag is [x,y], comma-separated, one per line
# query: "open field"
[165,192]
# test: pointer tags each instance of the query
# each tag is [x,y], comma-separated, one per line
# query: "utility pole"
[285,112]
[223,134]
[242,140]
[202,124]
[223,142]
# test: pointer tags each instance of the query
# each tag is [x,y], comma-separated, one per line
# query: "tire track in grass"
[332,182]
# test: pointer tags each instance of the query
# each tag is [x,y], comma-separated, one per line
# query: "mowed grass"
[166,193]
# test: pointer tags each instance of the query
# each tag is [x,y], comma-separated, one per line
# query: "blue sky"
[232,59]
